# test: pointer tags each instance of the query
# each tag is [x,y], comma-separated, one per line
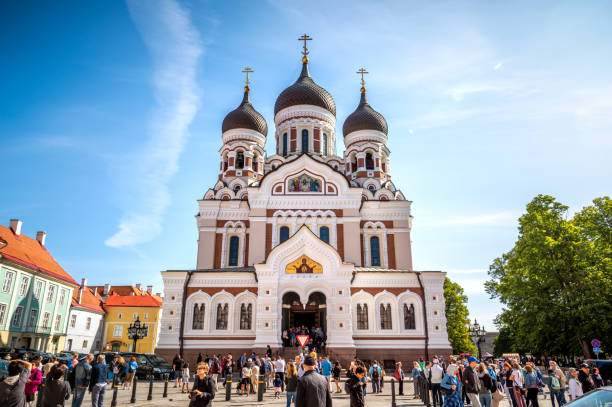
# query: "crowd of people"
[315,342]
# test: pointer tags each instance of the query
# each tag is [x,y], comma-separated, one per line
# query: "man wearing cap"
[585,378]
[312,389]
[472,382]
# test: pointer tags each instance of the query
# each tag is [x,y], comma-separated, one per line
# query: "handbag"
[498,394]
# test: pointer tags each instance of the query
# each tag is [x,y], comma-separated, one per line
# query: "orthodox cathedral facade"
[304,237]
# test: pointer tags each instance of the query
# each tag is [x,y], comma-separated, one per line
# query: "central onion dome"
[364,118]
[245,117]
[305,92]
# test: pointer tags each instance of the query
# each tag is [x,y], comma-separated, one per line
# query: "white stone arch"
[222,297]
[246,297]
[362,298]
[370,229]
[225,191]
[384,192]
[372,181]
[238,182]
[219,185]
[410,297]
[198,297]
[312,218]
[385,297]
[390,186]
[233,228]
[210,194]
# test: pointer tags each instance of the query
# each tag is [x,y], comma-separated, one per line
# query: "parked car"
[149,365]
[605,368]
[601,397]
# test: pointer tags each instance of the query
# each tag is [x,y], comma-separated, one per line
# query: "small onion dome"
[364,118]
[245,117]
[305,92]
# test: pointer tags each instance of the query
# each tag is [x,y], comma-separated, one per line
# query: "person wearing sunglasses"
[204,387]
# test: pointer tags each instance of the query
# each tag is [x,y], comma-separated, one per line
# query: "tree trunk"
[586,350]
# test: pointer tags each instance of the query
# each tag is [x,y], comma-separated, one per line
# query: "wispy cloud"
[493,219]
[175,46]
[498,66]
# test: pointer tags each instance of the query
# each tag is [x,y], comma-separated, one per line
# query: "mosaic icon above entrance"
[304,265]
[305,183]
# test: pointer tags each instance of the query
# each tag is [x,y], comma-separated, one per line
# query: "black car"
[149,365]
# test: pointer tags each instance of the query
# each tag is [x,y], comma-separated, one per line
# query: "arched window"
[222,311]
[225,162]
[409,317]
[285,144]
[283,234]
[324,234]
[353,163]
[304,141]
[369,161]
[246,316]
[239,160]
[362,316]
[233,250]
[198,316]
[255,163]
[374,251]
[324,144]
[372,188]
[385,317]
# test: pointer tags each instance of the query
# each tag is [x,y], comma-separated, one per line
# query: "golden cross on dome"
[305,38]
[362,72]
[247,70]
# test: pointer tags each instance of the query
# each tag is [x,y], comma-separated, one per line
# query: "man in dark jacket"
[471,382]
[97,384]
[12,389]
[354,386]
[312,389]
[585,378]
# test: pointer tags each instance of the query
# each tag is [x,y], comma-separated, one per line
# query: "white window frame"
[117,331]
[17,323]
[38,287]
[135,316]
[85,344]
[2,313]
[8,278]
[33,313]
[88,323]
[46,317]
[23,286]
[73,319]
[233,229]
[62,296]
[51,293]
[57,323]
[146,315]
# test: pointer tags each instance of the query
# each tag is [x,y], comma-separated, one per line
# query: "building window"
[51,293]
[369,161]
[58,322]
[239,160]
[198,317]
[45,323]
[33,317]
[409,317]
[62,297]
[324,234]
[135,316]
[372,188]
[119,316]
[324,143]
[283,234]
[374,251]
[73,321]
[117,331]
[385,317]
[37,289]
[88,323]
[304,141]
[2,313]
[222,314]
[8,281]
[146,315]
[23,287]
[17,317]
[233,251]
[246,316]
[362,316]
[85,344]
[285,144]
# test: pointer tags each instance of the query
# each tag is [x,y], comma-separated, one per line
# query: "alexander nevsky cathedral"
[304,238]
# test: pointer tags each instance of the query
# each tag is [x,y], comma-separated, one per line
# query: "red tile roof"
[145,300]
[88,300]
[30,253]
[126,290]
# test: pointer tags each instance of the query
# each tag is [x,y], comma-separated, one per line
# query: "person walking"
[82,377]
[472,382]
[574,388]
[130,372]
[398,375]
[558,383]
[508,383]
[584,377]
[246,379]
[487,386]
[312,389]
[254,378]
[185,376]
[336,372]
[291,380]
[97,384]
[279,367]
[12,389]
[56,390]
[204,387]
[34,381]
[326,371]
[177,367]
[517,384]
[452,387]
[436,374]
[355,388]
[531,383]
[374,373]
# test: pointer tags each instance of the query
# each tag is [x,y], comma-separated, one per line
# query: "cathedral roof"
[305,92]
[245,117]
[364,118]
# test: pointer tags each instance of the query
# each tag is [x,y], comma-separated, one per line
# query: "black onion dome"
[364,118]
[245,117]
[305,92]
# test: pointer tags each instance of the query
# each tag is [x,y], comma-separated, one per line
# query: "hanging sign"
[302,339]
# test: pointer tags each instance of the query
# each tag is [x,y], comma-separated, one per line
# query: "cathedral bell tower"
[244,137]
[365,138]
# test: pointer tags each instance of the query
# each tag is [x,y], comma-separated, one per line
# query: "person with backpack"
[82,377]
[451,387]
[398,375]
[557,385]
[488,385]
[130,372]
[374,373]
[12,389]
[472,382]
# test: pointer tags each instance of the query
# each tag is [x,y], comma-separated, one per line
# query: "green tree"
[556,282]
[457,318]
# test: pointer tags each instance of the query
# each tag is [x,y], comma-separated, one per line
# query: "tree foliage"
[556,282]
[457,318]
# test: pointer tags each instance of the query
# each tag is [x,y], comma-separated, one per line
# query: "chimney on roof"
[150,289]
[158,294]
[81,288]
[107,288]
[95,291]
[83,282]
[16,226]
[138,286]
[41,236]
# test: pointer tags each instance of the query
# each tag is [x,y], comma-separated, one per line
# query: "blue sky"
[110,117]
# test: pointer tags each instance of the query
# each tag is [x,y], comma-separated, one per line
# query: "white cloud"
[175,46]
[498,65]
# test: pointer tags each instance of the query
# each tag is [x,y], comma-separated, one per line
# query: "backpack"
[375,373]
[554,383]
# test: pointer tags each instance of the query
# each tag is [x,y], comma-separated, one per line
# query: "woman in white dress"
[185,374]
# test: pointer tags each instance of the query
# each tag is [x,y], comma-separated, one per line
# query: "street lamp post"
[477,333]
[137,331]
